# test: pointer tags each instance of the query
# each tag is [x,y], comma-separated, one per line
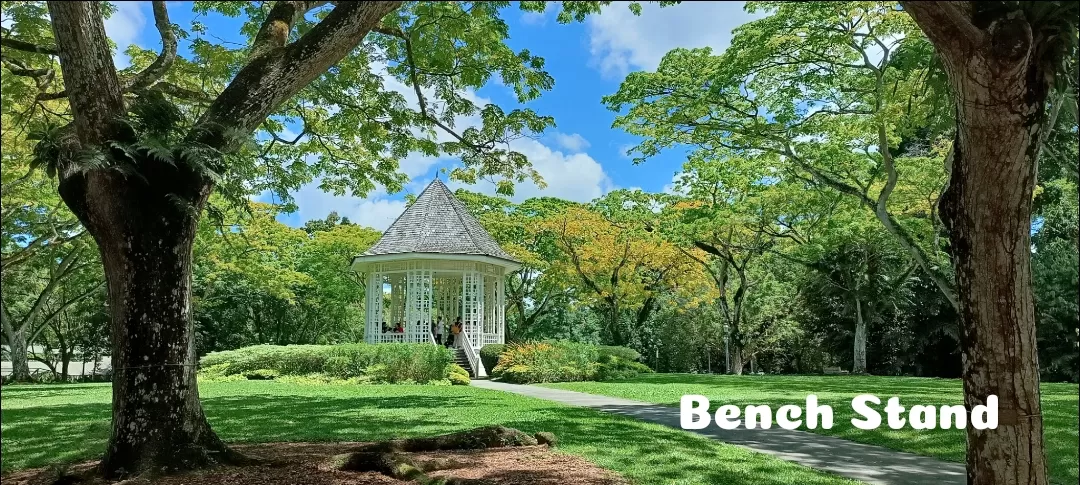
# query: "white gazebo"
[436,260]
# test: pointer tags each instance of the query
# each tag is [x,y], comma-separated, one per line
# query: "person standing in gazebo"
[438,328]
[455,329]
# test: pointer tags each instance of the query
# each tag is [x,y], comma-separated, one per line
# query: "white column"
[472,304]
[397,306]
[418,307]
[500,310]
[374,310]
[411,293]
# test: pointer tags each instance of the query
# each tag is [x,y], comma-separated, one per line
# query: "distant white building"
[75,368]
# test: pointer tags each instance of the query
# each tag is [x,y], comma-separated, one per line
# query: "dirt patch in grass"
[312,464]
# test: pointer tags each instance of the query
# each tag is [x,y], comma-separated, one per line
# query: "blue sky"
[583,157]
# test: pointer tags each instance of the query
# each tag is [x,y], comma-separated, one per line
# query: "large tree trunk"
[737,363]
[144,218]
[145,236]
[20,362]
[144,227]
[1001,88]
[859,364]
[988,210]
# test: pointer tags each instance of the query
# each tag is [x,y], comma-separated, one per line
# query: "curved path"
[868,463]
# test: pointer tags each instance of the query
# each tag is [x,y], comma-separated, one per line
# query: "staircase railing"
[470,353]
[431,338]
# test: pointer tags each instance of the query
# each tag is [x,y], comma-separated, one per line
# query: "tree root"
[387,458]
[474,439]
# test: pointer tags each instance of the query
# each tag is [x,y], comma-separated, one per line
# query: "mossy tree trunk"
[144,218]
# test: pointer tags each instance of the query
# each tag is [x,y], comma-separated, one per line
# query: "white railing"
[395,338]
[470,353]
[431,338]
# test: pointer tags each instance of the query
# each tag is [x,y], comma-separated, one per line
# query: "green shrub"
[220,377]
[555,361]
[489,355]
[613,368]
[457,369]
[262,375]
[389,363]
[459,380]
[216,370]
[625,353]
[560,361]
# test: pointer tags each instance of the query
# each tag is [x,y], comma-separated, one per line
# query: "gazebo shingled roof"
[438,223]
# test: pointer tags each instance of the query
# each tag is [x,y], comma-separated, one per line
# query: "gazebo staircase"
[462,359]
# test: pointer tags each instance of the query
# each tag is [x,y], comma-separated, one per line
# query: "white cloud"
[124,27]
[534,18]
[376,211]
[624,151]
[621,42]
[572,142]
[673,188]
[576,176]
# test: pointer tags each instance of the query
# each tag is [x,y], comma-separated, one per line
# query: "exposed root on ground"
[387,458]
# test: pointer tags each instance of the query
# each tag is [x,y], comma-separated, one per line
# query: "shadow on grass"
[1060,411]
[35,436]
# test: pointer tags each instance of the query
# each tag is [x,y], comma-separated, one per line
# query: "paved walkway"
[869,463]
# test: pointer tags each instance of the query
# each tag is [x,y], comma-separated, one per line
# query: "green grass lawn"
[1059,407]
[42,425]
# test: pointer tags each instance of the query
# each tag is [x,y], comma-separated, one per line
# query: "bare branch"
[22,45]
[164,61]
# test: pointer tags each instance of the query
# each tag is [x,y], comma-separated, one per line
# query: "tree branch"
[947,24]
[181,92]
[270,79]
[22,45]
[77,298]
[89,73]
[58,274]
[164,61]
[17,68]
[275,30]
[414,78]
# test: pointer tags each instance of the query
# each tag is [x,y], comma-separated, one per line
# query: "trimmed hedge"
[389,363]
[489,355]
[614,368]
[625,353]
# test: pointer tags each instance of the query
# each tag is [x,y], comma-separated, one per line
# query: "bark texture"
[145,240]
[998,79]
[20,363]
[859,362]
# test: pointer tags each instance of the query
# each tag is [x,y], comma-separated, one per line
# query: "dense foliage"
[790,242]
[388,363]
[563,361]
